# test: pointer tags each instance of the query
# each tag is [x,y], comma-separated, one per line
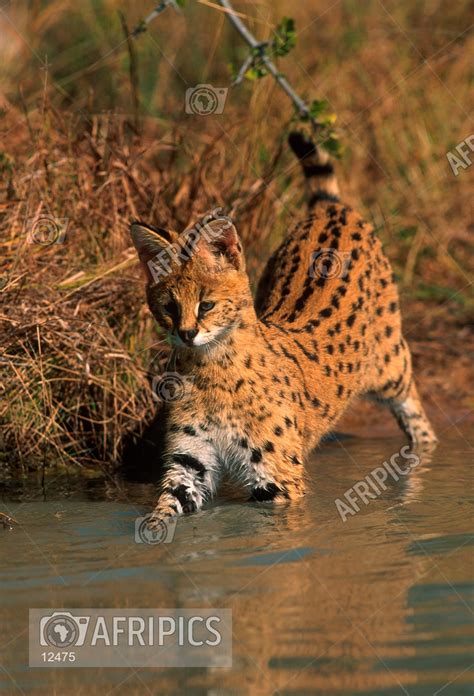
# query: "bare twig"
[259,48]
[161,7]
[246,65]
[132,70]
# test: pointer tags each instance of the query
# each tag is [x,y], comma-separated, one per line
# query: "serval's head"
[198,290]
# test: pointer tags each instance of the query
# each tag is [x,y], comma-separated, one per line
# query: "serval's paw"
[157,519]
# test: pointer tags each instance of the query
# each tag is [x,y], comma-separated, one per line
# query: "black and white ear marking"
[149,241]
[220,238]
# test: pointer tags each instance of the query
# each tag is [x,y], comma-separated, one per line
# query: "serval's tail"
[318,169]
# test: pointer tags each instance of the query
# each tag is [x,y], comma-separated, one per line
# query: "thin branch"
[246,65]
[132,71]
[161,7]
[255,45]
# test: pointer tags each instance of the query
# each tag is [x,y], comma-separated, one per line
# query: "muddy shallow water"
[379,604]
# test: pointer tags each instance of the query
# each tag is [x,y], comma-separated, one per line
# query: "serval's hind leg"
[397,390]
[412,418]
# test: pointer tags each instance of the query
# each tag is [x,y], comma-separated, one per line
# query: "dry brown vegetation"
[78,348]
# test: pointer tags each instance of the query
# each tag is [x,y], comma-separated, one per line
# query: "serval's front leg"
[190,478]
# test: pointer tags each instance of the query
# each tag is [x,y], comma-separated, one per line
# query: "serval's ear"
[220,244]
[150,242]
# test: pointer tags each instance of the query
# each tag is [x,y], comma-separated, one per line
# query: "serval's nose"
[187,335]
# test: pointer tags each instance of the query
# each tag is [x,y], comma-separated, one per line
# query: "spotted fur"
[269,379]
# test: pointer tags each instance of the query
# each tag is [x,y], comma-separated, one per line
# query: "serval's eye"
[206,306]
[171,308]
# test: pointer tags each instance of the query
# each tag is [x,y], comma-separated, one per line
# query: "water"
[380,604]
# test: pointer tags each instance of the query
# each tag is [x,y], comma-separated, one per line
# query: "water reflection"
[381,603]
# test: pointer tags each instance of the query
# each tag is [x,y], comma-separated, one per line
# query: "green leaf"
[257,51]
[233,71]
[318,107]
[256,72]
[333,145]
[328,119]
[285,37]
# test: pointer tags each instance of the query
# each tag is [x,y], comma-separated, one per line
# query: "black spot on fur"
[190,463]
[265,495]
[350,319]
[181,493]
[256,456]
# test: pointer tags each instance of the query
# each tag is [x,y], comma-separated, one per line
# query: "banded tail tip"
[318,168]
[306,151]
[302,146]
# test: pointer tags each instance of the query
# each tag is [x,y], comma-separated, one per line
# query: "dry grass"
[78,348]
